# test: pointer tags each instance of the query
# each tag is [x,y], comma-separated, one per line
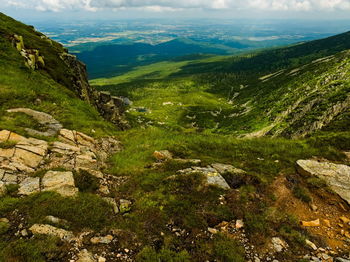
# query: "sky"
[302,9]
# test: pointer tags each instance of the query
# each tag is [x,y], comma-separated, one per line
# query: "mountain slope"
[245,95]
[57,78]
[174,189]
[115,59]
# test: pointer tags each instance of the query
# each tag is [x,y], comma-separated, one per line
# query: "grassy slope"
[241,95]
[21,87]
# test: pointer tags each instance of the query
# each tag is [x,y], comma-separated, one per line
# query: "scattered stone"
[313,207]
[3,189]
[314,223]
[310,244]
[42,229]
[85,256]
[326,222]
[344,219]
[336,176]
[60,182]
[102,259]
[124,205]
[101,240]
[239,224]
[163,155]
[29,186]
[187,161]
[278,244]
[212,230]
[24,233]
[113,203]
[4,220]
[56,220]
[104,189]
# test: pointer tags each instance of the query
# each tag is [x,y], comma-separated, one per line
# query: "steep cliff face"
[111,108]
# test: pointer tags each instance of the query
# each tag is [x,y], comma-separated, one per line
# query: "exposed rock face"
[336,176]
[41,229]
[33,59]
[110,107]
[25,156]
[74,151]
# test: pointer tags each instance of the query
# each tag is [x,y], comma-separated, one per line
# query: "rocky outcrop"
[33,59]
[74,151]
[337,176]
[110,107]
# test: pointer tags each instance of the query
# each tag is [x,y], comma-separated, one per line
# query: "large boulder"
[336,176]
[60,182]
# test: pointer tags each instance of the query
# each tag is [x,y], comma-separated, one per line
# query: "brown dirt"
[329,207]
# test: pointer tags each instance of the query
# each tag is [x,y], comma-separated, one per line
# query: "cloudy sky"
[330,9]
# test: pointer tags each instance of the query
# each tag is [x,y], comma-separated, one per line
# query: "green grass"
[87,211]
[7,144]
[37,249]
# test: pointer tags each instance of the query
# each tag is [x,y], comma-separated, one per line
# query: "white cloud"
[175,5]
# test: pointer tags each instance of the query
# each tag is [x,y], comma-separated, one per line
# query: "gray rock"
[211,175]
[223,168]
[337,176]
[29,186]
[53,126]
[278,244]
[41,229]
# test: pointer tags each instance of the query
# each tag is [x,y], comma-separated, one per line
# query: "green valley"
[212,157]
